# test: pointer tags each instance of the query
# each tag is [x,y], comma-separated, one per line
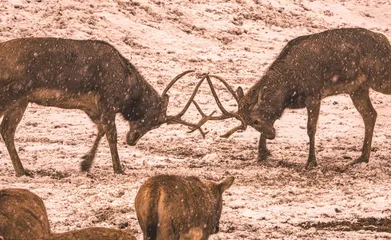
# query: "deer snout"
[266,129]
[132,137]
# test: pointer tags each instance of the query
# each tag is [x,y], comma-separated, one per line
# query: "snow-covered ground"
[237,40]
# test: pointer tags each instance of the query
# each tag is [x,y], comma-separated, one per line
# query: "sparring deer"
[179,208]
[89,75]
[310,68]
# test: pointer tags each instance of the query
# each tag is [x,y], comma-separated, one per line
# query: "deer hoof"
[263,155]
[311,164]
[359,160]
[86,164]
[119,171]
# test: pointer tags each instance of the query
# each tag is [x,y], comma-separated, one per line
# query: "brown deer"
[93,233]
[88,75]
[174,207]
[23,216]
[310,68]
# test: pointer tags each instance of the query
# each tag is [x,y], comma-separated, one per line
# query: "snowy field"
[237,40]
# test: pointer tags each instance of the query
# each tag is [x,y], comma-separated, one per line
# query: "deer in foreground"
[88,75]
[93,233]
[175,207]
[308,69]
[23,216]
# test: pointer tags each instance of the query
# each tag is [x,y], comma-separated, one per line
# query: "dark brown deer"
[92,233]
[79,74]
[179,208]
[310,68]
[22,215]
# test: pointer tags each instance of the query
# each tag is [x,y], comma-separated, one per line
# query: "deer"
[92,233]
[89,75]
[179,207]
[23,216]
[308,69]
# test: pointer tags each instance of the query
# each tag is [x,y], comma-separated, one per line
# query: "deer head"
[252,110]
[156,114]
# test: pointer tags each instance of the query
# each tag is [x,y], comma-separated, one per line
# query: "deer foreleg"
[263,152]
[364,106]
[108,122]
[8,126]
[313,108]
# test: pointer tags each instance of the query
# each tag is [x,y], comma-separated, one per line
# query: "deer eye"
[256,122]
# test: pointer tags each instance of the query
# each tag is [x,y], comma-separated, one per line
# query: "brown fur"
[94,233]
[88,75]
[312,67]
[22,215]
[174,207]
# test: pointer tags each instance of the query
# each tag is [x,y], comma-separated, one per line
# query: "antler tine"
[233,130]
[243,125]
[227,86]
[204,115]
[212,89]
[202,122]
[175,80]
[180,114]
[192,125]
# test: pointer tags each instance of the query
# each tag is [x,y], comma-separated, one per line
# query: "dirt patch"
[366,224]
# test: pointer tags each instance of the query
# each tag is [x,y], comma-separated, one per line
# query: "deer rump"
[174,207]
[22,215]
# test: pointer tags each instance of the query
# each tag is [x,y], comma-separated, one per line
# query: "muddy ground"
[275,199]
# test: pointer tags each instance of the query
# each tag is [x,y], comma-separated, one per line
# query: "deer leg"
[364,106]
[89,157]
[263,152]
[8,126]
[313,108]
[108,122]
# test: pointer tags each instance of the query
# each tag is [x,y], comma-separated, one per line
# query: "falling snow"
[238,40]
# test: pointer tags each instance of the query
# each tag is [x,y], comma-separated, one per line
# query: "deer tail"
[153,214]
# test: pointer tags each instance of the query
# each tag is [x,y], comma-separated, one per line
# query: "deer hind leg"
[364,106]
[8,126]
[89,157]
[263,152]
[313,108]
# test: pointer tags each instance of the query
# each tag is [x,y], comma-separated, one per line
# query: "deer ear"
[224,185]
[239,92]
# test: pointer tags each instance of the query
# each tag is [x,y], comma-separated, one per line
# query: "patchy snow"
[237,40]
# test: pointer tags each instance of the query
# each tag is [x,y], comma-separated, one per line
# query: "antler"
[177,118]
[225,113]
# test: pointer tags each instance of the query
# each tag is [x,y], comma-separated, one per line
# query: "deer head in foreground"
[179,208]
[88,75]
[310,68]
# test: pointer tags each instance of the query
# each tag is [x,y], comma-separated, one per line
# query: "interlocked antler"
[225,113]
[177,118]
